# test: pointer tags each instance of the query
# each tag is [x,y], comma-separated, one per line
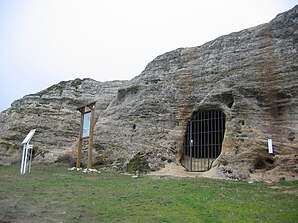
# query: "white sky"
[43,42]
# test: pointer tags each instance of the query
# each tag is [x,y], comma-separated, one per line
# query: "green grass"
[54,194]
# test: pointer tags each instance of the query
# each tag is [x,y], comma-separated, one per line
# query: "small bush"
[138,163]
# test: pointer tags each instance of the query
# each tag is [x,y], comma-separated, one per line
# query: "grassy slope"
[54,194]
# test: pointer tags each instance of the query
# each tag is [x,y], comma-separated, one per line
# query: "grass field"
[52,193]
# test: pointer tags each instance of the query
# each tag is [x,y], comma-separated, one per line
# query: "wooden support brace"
[79,156]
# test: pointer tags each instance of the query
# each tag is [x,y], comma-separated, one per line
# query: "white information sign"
[270,146]
[29,136]
[86,125]
[27,153]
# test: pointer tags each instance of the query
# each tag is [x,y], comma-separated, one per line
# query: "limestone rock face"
[251,75]
[52,112]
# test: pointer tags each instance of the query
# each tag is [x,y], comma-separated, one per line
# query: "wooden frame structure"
[86,131]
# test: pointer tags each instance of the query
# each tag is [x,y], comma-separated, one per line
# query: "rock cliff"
[251,75]
[53,113]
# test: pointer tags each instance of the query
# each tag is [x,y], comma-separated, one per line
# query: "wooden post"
[92,107]
[79,157]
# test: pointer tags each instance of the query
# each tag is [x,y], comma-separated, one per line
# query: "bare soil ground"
[271,176]
[175,170]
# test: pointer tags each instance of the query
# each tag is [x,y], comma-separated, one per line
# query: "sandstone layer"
[251,75]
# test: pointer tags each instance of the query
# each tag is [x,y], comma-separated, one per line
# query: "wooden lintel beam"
[90,105]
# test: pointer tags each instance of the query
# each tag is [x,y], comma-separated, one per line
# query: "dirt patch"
[270,176]
[175,170]
[12,209]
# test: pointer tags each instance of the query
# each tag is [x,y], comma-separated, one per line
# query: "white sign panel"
[86,125]
[270,146]
[29,136]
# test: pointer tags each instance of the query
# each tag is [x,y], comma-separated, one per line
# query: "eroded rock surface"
[251,75]
[52,112]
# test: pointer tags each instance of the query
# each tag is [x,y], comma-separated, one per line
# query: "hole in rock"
[134,127]
[230,104]
[260,164]
[270,161]
[228,99]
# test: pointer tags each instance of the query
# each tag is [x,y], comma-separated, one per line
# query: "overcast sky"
[43,42]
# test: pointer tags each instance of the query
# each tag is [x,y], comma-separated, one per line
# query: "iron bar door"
[203,140]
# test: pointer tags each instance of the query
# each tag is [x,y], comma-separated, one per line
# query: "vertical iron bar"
[211,138]
[214,134]
[217,126]
[191,142]
[218,132]
[222,129]
[195,144]
[187,147]
[208,140]
[202,139]
[205,141]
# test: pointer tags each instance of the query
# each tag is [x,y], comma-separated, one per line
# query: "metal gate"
[203,140]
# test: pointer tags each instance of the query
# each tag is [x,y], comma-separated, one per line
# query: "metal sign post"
[86,132]
[27,153]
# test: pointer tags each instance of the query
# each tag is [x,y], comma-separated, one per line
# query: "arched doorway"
[203,140]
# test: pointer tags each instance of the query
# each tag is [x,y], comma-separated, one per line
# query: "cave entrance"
[203,140]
